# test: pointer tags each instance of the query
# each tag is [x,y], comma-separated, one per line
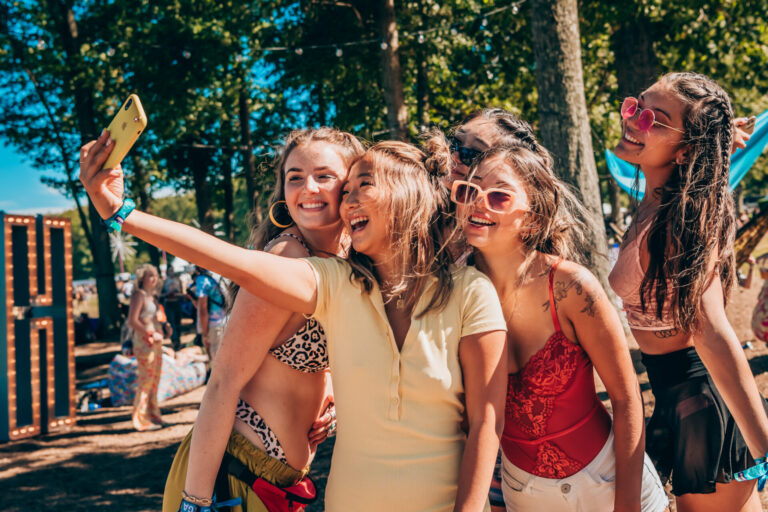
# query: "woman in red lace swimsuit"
[562,451]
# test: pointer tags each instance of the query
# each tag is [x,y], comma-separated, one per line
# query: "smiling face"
[365,210]
[149,279]
[314,175]
[490,230]
[659,147]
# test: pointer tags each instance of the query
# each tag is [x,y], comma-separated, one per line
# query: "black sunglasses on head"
[466,155]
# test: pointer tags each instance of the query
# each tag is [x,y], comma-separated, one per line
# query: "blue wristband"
[115,222]
[186,506]
[757,472]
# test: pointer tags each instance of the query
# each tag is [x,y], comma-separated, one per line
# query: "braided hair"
[694,227]
[511,130]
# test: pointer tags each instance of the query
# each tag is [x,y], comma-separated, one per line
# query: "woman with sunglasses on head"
[674,273]
[480,131]
[269,383]
[409,335]
[561,449]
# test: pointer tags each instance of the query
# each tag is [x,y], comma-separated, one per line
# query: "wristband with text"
[757,472]
[115,222]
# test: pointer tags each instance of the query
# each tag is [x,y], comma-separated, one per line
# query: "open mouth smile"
[358,223]
[477,220]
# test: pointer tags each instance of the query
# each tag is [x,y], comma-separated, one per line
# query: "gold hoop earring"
[272,216]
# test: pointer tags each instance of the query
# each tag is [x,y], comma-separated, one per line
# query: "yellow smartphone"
[125,128]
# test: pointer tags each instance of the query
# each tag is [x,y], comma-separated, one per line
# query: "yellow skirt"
[254,459]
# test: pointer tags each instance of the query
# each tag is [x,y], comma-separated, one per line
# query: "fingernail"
[103,131]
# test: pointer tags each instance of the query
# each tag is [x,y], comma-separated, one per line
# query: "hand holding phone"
[749,126]
[124,129]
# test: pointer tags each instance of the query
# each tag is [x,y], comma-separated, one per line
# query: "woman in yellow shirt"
[412,340]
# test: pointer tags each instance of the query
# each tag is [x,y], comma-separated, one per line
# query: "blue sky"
[21,191]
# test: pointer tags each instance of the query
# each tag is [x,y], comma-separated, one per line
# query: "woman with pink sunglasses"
[674,273]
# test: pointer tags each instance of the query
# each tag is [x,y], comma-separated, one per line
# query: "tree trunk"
[392,80]
[249,159]
[84,111]
[141,191]
[229,198]
[635,60]
[565,129]
[635,65]
[199,160]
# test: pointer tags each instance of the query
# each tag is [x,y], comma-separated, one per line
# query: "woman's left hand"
[324,426]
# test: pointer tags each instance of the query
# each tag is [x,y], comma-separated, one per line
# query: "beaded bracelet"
[757,472]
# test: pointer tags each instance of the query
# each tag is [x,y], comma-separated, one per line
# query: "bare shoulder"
[576,290]
[288,245]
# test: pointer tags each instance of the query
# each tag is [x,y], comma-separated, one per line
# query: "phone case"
[125,128]
[749,126]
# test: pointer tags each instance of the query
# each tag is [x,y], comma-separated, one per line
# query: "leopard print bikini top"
[307,350]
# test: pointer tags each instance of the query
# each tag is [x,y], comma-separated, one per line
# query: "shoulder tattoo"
[561,289]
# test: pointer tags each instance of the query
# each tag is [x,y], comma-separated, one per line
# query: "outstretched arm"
[288,283]
[720,350]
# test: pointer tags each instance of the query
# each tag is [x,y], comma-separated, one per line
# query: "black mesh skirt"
[691,437]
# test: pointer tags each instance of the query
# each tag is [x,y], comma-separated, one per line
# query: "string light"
[419,36]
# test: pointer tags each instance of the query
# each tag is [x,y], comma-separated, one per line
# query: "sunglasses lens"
[628,108]
[467,156]
[499,201]
[645,120]
[465,193]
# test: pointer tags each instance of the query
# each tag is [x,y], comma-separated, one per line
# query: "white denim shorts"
[590,490]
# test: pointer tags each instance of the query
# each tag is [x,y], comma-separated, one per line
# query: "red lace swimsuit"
[554,423]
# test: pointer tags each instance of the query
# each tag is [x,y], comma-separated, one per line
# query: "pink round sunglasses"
[646,119]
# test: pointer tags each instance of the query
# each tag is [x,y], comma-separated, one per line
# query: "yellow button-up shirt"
[399,443]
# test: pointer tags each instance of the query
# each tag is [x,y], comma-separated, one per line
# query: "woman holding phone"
[412,340]
[269,384]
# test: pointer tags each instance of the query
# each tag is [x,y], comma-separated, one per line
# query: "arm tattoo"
[666,333]
[560,292]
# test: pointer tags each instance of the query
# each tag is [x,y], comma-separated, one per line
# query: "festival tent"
[624,172]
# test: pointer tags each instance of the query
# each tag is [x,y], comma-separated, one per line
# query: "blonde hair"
[417,229]
[141,271]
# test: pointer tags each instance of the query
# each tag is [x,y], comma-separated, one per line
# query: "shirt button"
[395,400]
[565,488]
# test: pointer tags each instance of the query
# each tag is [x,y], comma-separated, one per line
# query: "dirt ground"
[102,463]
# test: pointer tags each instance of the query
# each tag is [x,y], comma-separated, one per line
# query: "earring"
[272,216]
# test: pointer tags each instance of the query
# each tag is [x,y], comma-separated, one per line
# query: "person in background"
[147,347]
[760,313]
[172,296]
[211,310]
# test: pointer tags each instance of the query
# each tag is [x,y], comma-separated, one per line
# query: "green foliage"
[191,62]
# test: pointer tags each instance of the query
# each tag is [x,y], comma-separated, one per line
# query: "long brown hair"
[695,224]
[417,210]
[349,147]
[556,220]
